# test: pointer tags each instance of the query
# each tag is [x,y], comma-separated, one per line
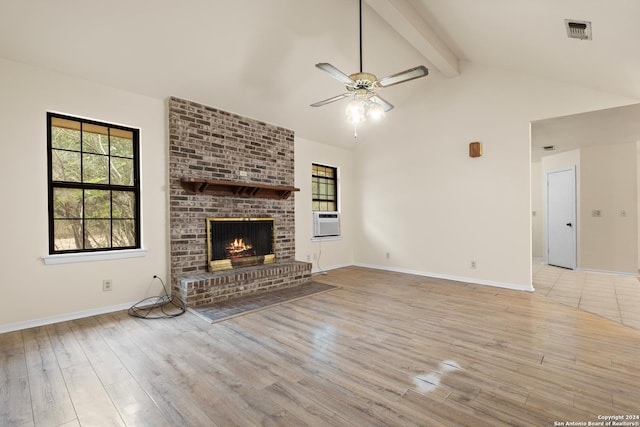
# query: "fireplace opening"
[240,242]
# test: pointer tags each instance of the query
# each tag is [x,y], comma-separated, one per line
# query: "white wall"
[537,211]
[34,293]
[434,209]
[608,182]
[332,253]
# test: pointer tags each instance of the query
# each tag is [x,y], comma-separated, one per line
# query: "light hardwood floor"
[385,349]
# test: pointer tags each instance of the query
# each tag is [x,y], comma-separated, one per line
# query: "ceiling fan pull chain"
[360,14]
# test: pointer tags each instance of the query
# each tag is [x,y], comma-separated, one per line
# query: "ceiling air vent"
[580,30]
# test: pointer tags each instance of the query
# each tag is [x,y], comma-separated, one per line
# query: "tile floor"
[614,297]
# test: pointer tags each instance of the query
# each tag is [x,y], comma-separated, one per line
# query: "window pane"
[315,206]
[121,143]
[329,172]
[124,233]
[67,234]
[95,139]
[67,203]
[65,134]
[331,206]
[97,233]
[124,204]
[65,166]
[97,204]
[95,169]
[322,190]
[121,171]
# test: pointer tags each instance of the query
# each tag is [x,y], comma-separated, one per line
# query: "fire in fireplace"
[240,242]
[239,249]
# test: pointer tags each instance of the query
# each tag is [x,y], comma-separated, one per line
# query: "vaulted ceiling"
[257,57]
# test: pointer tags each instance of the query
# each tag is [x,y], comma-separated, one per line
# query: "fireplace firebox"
[240,242]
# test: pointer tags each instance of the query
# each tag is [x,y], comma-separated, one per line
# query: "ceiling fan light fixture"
[375,111]
[356,111]
[362,87]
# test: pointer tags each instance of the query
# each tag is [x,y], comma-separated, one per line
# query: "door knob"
[569,224]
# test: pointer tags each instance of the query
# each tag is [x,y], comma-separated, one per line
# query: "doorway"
[561,218]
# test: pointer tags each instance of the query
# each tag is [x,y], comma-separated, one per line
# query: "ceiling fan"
[362,86]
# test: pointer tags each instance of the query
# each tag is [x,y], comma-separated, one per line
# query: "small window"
[94,186]
[324,188]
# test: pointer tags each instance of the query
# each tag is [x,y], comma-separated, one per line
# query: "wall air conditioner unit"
[326,224]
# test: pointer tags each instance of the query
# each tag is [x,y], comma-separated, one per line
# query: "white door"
[561,218]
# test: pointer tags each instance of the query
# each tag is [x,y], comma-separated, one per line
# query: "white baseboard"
[593,270]
[63,317]
[620,273]
[316,270]
[472,280]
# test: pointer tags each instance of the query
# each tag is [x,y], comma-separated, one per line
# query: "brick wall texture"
[206,142]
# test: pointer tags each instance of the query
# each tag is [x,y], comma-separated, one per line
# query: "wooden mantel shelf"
[216,187]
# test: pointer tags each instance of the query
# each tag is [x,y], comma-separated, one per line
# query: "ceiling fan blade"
[330,100]
[386,106]
[404,76]
[335,73]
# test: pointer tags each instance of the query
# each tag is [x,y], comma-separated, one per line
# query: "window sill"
[93,256]
[322,239]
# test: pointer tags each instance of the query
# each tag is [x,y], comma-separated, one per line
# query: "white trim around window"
[93,256]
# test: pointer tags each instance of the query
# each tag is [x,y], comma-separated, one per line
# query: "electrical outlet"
[388,255]
[473,264]
[107,285]
[308,258]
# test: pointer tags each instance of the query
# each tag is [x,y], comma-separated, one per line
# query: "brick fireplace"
[223,165]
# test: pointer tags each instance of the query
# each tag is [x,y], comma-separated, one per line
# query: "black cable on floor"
[158,307]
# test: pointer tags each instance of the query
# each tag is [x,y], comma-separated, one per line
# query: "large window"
[324,187]
[94,186]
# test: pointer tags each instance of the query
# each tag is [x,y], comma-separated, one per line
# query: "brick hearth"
[208,143]
[222,285]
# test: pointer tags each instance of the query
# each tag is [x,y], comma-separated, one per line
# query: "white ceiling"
[256,57]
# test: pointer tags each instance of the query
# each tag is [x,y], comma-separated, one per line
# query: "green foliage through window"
[94,192]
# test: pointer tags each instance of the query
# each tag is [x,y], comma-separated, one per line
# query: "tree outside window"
[94,185]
